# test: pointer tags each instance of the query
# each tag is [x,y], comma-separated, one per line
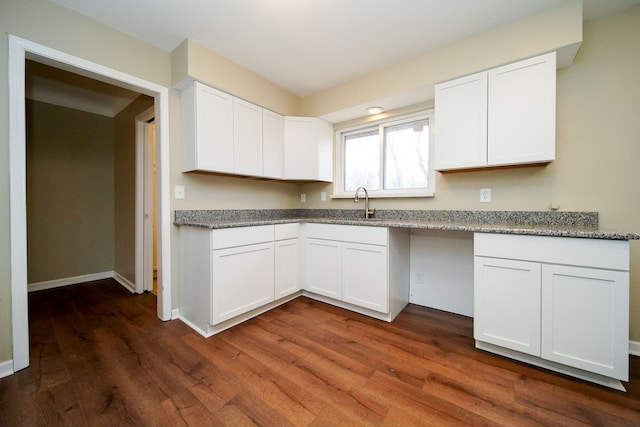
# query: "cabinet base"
[219,327]
[388,317]
[552,366]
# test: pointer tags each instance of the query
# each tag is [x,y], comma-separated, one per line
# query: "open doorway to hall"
[81,146]
[21,50]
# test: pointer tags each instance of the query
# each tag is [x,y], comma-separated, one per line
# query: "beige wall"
[598,148]
[69,192]
[192,61]
[124,187]
[81,191]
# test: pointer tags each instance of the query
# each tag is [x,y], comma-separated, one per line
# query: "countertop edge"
[558,231]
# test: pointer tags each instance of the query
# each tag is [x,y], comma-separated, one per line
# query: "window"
[391,158]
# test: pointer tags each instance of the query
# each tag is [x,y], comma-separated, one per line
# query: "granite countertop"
[536,223]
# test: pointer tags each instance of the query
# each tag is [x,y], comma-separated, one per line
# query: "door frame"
[144,205]
[18,50]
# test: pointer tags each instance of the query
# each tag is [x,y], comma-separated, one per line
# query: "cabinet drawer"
[349,233]
[287,231]
[596,253]
[241,236]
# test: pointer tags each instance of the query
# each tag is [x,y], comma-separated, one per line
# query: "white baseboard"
[634,348]
[6,368]
[175,313]
[58,283]
[124,282]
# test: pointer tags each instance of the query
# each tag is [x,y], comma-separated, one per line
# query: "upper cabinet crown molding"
[503,116]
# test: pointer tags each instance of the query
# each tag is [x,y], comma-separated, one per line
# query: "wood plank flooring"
[100,357]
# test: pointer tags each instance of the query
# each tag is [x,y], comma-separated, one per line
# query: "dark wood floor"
[99,356]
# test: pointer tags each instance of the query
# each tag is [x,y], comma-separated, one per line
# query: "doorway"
[19,51]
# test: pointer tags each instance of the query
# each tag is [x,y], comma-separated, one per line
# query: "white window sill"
[384,195]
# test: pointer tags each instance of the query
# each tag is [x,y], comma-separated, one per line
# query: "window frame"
[381,124]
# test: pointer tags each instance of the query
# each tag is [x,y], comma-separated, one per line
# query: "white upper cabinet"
[272,144]
[522,112]
[207,129]
[504,116]
[247,138]
[308,149]
[225,134]
[459,101]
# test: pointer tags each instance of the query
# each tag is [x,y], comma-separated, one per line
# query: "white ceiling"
[301,45]
[305,46]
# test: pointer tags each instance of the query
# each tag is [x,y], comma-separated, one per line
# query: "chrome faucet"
[356,199]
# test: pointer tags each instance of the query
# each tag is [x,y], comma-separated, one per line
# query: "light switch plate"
[179,192]
[303,198]
[323,196]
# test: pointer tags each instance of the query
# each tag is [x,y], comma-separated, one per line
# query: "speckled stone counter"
[538,223]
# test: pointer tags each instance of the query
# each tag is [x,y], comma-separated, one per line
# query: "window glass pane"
[362,160]
[407,155]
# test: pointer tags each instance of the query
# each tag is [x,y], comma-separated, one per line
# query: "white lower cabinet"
[366,268]
[287,259]
[364,276]
[585,319]
[561,303]
[323,267]
[506,289]
[242,279]
[229,275]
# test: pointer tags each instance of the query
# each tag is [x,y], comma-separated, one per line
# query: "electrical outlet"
[303,198]
[323,196]
[485,195]
[420,277]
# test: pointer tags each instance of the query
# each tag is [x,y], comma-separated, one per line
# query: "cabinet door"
[324,145]
[585,319]
[365,276]
[507,303]
[323,267]
[272,144]
[461,123]
[300,155]
[247,138]
[287,271]
[242,280]
[522,112]
[214,129]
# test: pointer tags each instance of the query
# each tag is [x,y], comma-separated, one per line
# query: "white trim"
[164,222]
[67,281]
[634,348]
[18,49]
[6,368]
[124,282]
[18,205]
[143,267]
